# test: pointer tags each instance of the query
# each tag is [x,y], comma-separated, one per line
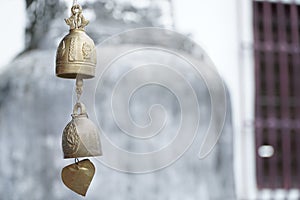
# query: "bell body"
[76,56]
[81,136]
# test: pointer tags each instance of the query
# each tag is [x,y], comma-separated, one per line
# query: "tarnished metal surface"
[76,54]
[78,176]
[81,136]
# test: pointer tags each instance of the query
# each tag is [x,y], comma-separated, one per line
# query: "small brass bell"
[76,55]
[80,137]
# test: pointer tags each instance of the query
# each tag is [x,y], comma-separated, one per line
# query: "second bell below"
[81,136]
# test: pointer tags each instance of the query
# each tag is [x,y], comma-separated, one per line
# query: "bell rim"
[84,156]
[72,71]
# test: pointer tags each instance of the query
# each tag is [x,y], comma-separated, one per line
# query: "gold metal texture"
[81,136]
[78,176]
[76,53]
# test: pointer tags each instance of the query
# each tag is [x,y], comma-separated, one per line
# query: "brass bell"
[76,54]
[81,136]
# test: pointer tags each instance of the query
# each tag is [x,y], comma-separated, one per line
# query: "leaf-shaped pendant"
[78,176]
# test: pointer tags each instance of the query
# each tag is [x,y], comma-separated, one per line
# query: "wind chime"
[76,59]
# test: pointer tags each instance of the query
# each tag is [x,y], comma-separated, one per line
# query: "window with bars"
[277,93]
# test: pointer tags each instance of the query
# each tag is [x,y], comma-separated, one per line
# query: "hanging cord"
[79,88]
[75,2]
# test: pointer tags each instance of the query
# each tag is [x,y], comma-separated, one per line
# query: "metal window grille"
[277,93]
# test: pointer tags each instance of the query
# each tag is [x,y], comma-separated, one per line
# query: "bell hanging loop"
[79,106]
[77,20]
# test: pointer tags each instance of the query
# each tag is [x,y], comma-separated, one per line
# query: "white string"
[75,2]
[79,88]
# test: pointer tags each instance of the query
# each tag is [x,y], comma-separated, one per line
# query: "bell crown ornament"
[76,54]
[81,136]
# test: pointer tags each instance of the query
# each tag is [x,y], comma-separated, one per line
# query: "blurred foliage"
[39,14]
[109,17]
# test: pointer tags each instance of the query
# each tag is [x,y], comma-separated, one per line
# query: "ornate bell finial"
[77,20]
[76,54]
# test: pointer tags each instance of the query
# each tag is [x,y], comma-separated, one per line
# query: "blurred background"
[253,44]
